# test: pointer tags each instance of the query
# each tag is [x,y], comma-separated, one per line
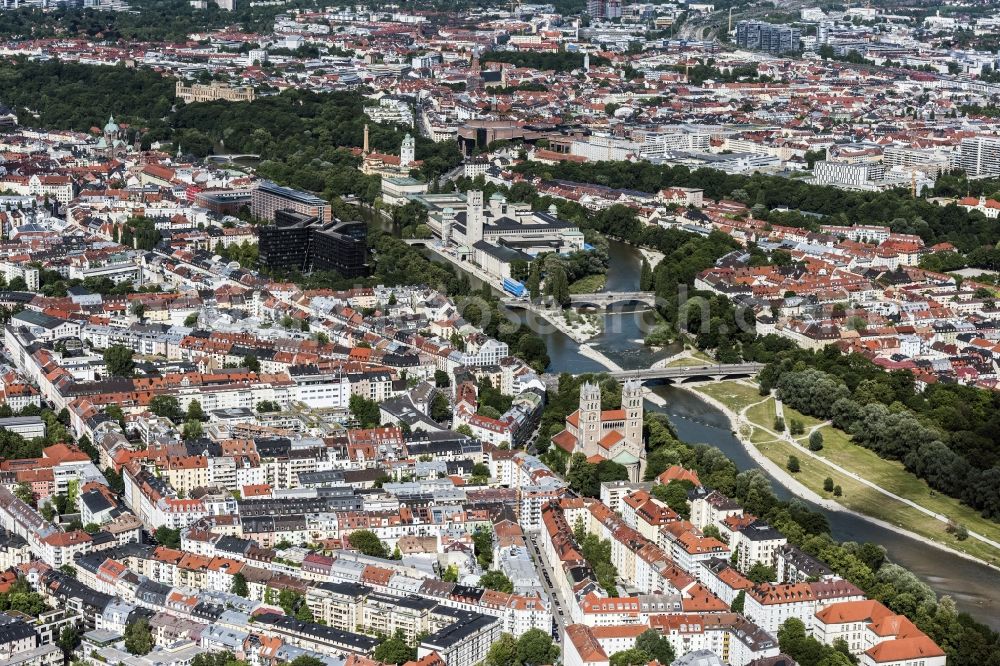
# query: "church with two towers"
[607,434]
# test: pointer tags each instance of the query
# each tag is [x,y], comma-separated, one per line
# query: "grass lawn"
[702,356]
[869,501]
[732,394]
[588,285]
[762,414]
[891,475]
[686,361]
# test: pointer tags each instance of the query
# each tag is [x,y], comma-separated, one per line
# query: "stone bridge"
[605,299]
[693,373]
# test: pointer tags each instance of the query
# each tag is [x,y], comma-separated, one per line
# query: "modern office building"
[285,244]
[224,202]
[980,155]
[342,247]
[303,243]
[760,36]
[930,161]
[604,9]
[268,198]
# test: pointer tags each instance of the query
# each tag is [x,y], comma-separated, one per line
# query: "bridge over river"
[693,373]
[602,299]
[680,374]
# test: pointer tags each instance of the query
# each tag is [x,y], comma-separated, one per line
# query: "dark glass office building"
[760,36]
[301,242]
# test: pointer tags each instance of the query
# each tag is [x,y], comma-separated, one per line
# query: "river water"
[975,587]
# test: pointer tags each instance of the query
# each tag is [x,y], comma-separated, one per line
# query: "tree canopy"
[118,359]
[139,637]
[21,597]
[496,580]
[167,407]
[559,62]
[395,650]
[365,412]
[368,543]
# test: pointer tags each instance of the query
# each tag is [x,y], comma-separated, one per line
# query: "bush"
[828,485]
[793,464]
[779,424]
[837,492]
[816,441]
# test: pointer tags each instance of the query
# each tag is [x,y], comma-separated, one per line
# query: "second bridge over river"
[601,299]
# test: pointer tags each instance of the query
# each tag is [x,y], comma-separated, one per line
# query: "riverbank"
[578,327]
[581,329]
[688,357]
[652,256]
[469,268]
[738,422]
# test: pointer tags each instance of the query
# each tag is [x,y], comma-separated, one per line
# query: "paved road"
[560,611]
[453,174]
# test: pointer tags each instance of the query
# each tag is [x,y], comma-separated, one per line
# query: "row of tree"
[597,552]
[67,95]
[304,139]
[147,20]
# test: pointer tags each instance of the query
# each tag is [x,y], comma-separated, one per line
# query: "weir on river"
[972,585]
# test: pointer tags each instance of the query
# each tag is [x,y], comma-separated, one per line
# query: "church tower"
[632,404]
[111,130]
[474,81]
[590,418]
[408,151]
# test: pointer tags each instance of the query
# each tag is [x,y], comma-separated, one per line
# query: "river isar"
[973,586]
